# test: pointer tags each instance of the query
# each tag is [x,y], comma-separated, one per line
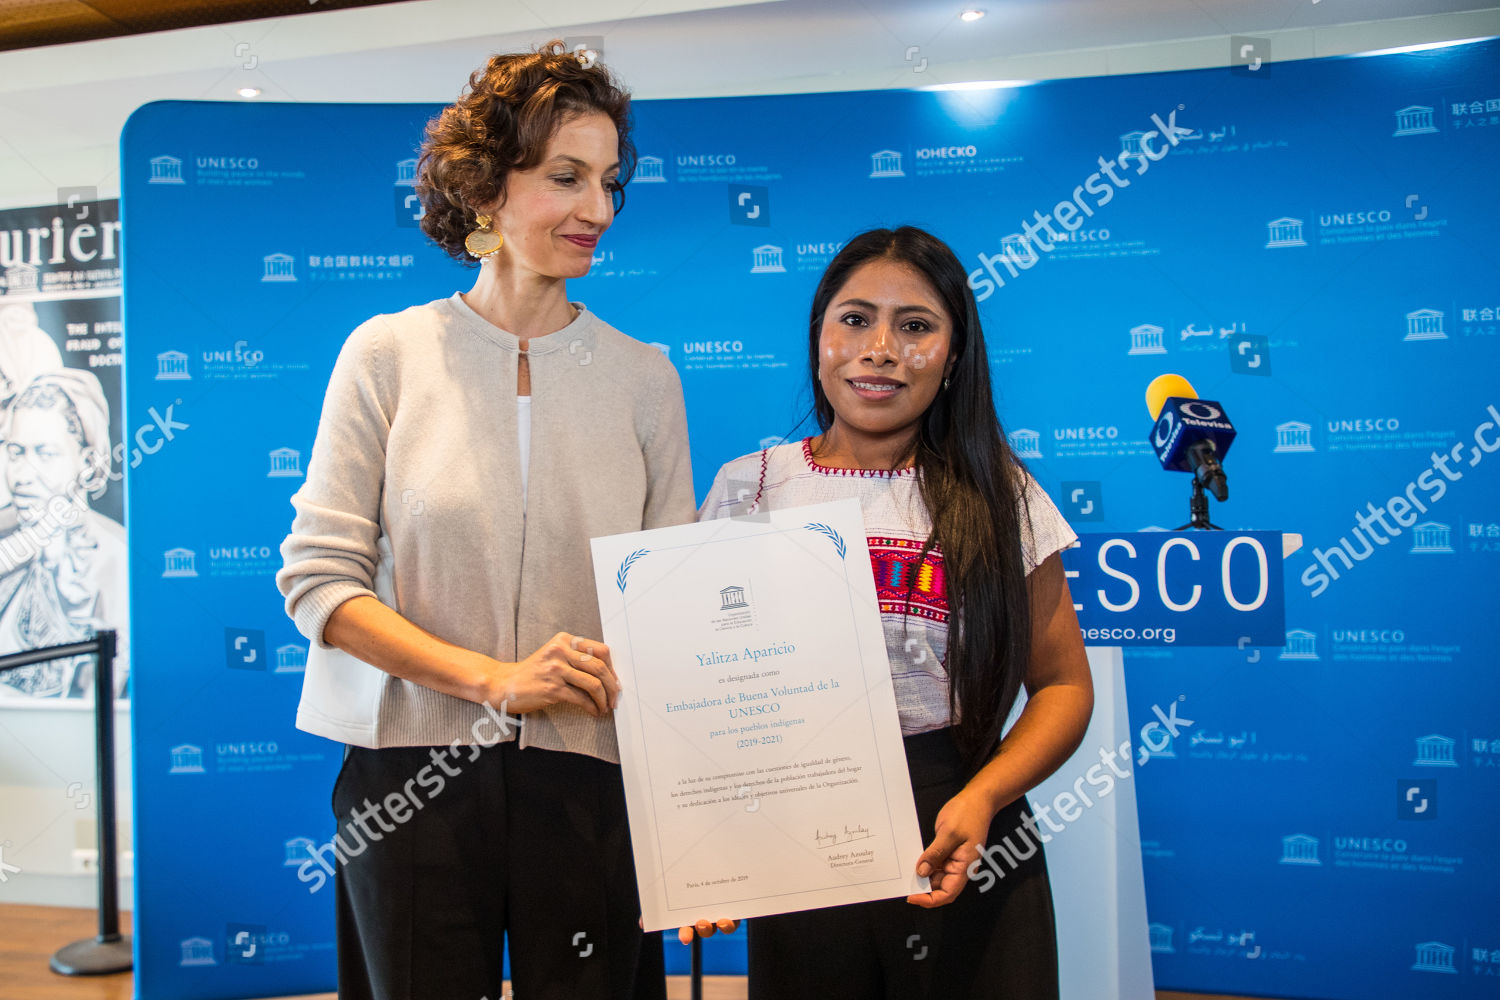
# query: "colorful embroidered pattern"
[895,563]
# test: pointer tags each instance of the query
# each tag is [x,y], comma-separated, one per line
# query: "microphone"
[1189,434]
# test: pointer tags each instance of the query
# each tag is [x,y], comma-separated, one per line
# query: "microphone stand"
[1198,507]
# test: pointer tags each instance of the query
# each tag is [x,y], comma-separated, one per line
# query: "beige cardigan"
[413,495]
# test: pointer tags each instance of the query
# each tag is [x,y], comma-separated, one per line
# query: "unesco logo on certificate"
[734,611]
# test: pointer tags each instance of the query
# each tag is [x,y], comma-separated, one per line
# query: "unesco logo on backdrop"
[886,163]
[1432,538]
[1300,849]
[1147,339]
[1416,798]
[166,170]
[767,259]
[1425,324]
[172,366]
[180,562]
[187,758]
[1293,437]
[749,205]
[1083,501]
[1026,443]
[1300,645]
[409,210]
[1415,119]
[245,648]
[1434,956]
[196,951]
[291,658]
[650,170]
[286,463]
[1435,750]
[278,268]
[1284,232]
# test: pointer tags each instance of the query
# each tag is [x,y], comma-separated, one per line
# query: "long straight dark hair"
[972,484]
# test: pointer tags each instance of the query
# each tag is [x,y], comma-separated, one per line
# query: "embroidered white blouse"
[896,526]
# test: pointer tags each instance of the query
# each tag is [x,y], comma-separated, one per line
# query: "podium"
[1149,588]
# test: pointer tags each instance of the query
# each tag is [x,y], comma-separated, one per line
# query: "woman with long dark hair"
[964,546]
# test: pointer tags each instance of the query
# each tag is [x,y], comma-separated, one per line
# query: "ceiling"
[26,24]
[418,50]
[62,106]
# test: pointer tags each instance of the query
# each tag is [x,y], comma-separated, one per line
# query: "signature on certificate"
[850,833]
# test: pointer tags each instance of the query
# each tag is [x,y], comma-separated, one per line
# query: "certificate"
[762,756]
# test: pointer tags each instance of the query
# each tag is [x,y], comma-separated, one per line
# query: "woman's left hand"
[962,826]
[705,929]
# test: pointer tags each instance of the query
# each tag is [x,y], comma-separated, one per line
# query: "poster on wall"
[62,520]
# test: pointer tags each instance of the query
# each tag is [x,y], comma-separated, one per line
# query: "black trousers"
[996,944]
[529,844]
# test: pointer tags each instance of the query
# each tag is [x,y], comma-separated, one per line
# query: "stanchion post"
[697,968]
[109,952]
[104,784]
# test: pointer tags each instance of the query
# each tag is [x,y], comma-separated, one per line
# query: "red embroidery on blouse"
[829,470]
[765,456]
[894,561]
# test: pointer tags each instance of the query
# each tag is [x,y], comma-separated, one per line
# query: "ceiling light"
[979,85]
[972,14]
[248,92]
[1425,46]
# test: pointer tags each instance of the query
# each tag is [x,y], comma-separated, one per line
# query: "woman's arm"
[1060,699]
[567,668]
[669,464]
[1059,695]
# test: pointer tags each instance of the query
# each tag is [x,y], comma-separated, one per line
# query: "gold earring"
[483,241]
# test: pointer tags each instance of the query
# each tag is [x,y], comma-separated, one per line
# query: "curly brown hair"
[502,122]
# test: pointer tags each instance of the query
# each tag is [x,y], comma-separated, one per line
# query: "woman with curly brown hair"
[439,565]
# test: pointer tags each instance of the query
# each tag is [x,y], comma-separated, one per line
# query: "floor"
[30,934]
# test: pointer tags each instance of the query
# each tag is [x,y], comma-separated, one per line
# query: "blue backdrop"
[1311,244]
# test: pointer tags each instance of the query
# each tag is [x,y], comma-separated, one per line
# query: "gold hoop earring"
[483,241]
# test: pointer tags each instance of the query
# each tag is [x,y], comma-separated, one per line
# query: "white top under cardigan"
[523,442]
[413,495]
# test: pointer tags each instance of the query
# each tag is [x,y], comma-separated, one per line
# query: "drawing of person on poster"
[63,570]
[26,350]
